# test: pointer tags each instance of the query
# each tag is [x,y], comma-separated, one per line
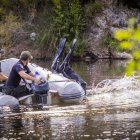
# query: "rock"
[123,55]
[33,36]
[111,18]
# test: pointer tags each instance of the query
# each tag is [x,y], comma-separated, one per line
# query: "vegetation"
[70,21]
[129,3]
[109,42]
[130,40]
[10,24]
[93,7]
[50,20]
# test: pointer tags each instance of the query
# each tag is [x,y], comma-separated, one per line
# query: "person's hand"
[37,80]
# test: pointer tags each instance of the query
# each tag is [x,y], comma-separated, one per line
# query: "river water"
[112,115]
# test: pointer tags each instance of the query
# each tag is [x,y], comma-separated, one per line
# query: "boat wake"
[120,94]
[117,85]
[117,93]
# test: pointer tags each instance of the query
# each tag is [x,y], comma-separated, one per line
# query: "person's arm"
[29,71]
[29,77]
[31,74]
[3,77]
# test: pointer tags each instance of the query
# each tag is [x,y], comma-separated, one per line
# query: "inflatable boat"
[68,90]
[61,79]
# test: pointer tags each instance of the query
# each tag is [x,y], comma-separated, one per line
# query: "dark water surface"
[108,116]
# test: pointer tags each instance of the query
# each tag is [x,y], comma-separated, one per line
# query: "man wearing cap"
[20,71]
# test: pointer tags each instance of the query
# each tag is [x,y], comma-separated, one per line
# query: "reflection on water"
[110,116]
[95,72]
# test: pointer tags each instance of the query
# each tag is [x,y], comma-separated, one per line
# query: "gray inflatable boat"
[68,90]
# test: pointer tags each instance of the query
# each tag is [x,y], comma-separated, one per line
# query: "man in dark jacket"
[20,71]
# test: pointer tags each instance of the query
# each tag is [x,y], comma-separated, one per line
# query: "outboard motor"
[64,67]
[60,48]
[40,92]
[69,73]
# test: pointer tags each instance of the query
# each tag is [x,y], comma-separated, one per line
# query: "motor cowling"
[42,88]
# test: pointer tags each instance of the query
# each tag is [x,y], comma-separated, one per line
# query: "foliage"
[69,21]
[130,40]
[129,3]
[46,39]
[108,41]
[69,18]
[1,13]
[10,24]
[93,7]
[50,20]
[44,28]
[80,47]
[22,8]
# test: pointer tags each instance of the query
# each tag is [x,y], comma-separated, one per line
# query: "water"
[113,115]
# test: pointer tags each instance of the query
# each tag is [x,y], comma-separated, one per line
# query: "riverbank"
[32,29]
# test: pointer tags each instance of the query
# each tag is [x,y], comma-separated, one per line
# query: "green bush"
[70,22]
[69,19]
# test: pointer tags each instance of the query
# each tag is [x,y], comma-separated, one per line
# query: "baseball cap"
[25,55]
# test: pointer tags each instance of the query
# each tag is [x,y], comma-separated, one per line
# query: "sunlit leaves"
[138,65]
[136,34]
[126,44]
[130,68]
[130,40]
[136,54]
[122,34]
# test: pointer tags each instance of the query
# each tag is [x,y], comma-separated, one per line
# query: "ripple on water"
[102,116]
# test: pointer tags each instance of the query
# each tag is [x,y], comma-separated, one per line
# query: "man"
[2,76]
[20,71]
